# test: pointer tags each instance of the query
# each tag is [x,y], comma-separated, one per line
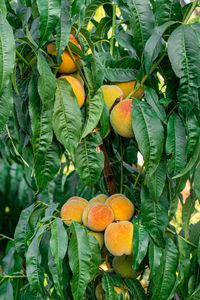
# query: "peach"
[111,93]
[85,213]
[101,198]
[68,65]
[77,88]
[72,211]
[123,266]
[99,237]
[121,119]
[127,88]
[118,238]
[99,217]
[114,196]
[78,198]
[123,208]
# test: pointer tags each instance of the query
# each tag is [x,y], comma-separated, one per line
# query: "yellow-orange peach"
[99,237]
[118,238]
[127,88]
[99,217]
[114,196]
[121,119]
[111,93]
[123,266]
[68,65]
[101,198]
[77,88]
[72,211]
[78,198]
[123,208]
[85,213]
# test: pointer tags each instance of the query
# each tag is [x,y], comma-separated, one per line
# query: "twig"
[6,237]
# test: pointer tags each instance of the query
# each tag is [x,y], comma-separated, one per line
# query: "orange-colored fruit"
[77,88]
[72,211]
[121,119]
[111,93]
[101,198]
[118,238]
[99,237]
[123,208]
[99,217]
[114,196]
[127,88]
[67,66]
[86,212]
[78,198]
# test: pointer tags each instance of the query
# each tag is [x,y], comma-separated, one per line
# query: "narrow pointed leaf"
[79,260]
[49,16]
[108,282]
[167,10]
[152,99]
[155,215]
[3,11]
[197,182]
[193,132]
[184,54]
[142,23]
[155,254]
[149,134]
[156,182]
[95,260]
[91,9]
[66,116]
[136,289]
[89,160]
[176,144]
[94,111]
[6,104]
[58,247]
[188,209]
[140,243]
[166,276]
[6,291]
[184,262]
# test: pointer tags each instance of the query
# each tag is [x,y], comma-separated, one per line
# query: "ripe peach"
[123,266]
[78,198]
[118,238]
[123,208]
[77,88]
[111,93]
[67,66]
[101,198]
[114,196]
[121,119]
[98,236]
[72,211]
[85,213]
[128,86]
[99,217]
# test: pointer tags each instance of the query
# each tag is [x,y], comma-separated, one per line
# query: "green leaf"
[3,11]
[166,275]
[49,16]
[191,162]
[149,134]
[196,182]
[22,229]
[79,260]
[6,103]
[140,242]
[95,260]
[196,294]
[91,9]
[94,111]
[193,132]
[167,10]
[89,160]
[176,144]
[108,282]
[153,45]
[184,262]
[155,254]
[188,209]
[154,214]
[198,254]
[63,31]
[136,289]
[34,272]
[105,120]
[66,116]
[184,54]
[58,247]
[152,99]
[6,291]
[156,182]
[142,23]
[7,55]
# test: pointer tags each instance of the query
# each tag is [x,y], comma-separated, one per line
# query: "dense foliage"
[51,149]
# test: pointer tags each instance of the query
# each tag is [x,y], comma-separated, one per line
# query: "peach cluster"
[107,218]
